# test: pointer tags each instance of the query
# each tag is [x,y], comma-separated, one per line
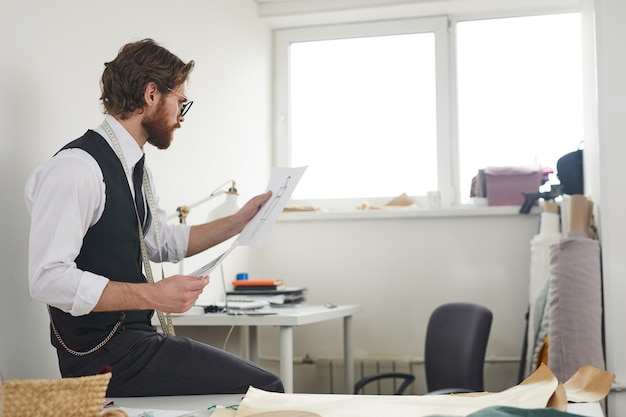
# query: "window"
[519,92]
[371,110]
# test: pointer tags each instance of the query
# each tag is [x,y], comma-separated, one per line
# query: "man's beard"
[160,134]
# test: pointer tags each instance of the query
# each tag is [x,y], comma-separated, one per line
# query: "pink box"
[505,184]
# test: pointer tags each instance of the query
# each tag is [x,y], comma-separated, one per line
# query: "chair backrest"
[456,342]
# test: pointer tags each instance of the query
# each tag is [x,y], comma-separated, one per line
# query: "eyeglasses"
[186,105]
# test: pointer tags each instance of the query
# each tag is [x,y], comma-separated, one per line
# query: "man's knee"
[276,385]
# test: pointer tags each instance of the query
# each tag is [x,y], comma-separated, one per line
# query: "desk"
[286,318]
[202,402]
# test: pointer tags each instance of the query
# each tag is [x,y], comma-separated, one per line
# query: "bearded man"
[92,229]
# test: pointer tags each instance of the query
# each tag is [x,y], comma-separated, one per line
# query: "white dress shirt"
[65,197]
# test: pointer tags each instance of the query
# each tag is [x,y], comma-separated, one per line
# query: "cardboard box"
[505,184]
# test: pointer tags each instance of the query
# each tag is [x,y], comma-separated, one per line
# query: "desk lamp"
[229,206]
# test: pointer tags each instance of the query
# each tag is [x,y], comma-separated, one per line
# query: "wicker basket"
[65,397]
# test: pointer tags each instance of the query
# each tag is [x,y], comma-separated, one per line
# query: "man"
[89,238]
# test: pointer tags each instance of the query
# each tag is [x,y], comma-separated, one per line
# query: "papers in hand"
[206,269]
[282,183]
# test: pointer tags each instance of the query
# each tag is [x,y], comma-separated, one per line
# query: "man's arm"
[207,235]
[58,225]
[175,294]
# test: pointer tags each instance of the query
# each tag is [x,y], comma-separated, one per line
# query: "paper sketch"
[206,269]
[268,208]
[282,183]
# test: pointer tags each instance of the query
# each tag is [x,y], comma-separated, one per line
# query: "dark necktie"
[137,183]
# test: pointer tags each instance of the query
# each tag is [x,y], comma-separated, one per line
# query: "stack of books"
[272,290]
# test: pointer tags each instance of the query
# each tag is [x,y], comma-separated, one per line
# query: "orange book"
[258,283]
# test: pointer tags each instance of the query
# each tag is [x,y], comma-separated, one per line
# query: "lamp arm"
[183,211]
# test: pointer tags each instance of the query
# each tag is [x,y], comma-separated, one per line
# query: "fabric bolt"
[566,213]
[543,324]
[549,234]
[575,305]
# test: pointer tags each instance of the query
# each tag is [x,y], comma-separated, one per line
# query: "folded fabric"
[501,411]
[538,391]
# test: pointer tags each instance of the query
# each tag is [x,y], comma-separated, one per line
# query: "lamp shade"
[229,206]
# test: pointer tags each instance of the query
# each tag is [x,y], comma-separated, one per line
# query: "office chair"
[456,342]
[454,355]
[407,379]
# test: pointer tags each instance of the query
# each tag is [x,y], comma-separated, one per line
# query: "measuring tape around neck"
[164,318]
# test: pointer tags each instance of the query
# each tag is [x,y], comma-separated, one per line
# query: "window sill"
[461,211]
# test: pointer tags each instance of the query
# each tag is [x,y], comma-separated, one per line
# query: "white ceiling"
[283,13]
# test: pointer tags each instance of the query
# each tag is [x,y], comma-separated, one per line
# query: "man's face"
[160,125]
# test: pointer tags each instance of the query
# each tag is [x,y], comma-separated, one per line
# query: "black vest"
[110,248]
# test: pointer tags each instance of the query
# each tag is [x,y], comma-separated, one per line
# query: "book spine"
[258,283]
[256,287]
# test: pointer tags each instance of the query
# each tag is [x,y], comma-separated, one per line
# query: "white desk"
[191,403]
[286,318]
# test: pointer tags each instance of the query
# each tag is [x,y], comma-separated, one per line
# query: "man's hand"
[207,235]
[248,211]
[175,294]
[178,293]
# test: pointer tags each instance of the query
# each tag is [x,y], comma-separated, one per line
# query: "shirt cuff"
[88,294]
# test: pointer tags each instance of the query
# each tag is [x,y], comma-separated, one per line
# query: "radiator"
[330,373]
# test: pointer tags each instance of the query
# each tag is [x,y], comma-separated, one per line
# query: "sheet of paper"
[135,412]
[206,269]
[282,183]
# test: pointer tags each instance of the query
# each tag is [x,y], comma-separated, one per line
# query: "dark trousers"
[145,363]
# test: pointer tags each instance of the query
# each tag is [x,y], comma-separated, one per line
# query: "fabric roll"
[575,305]
[549,234]
[538,349]
[566,209]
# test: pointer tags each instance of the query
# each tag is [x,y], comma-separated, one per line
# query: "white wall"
[53,56]
[612,182]
[399,270]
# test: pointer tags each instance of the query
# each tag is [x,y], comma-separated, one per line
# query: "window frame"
[443,27]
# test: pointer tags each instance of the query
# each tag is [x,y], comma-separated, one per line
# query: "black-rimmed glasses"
[186,105]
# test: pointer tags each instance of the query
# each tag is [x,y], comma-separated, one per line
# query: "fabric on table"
[499,411]
[575,305]
[534,392]
[540,390]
